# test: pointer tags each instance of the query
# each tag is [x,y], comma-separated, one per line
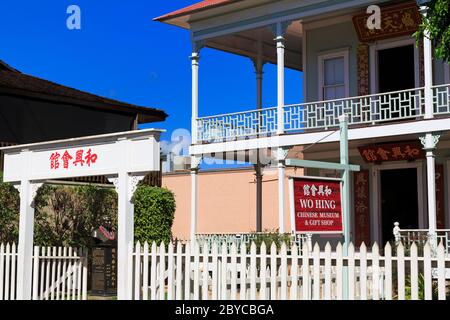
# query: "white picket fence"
[58,273]
[188,271]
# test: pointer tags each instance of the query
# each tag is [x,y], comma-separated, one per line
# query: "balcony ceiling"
[250,42]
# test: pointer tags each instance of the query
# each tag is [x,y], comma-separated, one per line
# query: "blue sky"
[122,54]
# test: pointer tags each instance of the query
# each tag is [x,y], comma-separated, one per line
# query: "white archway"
[125,158]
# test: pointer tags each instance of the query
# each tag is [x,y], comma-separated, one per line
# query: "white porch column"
[27,191]
[195,57]
[429,142]
[281,157]
[125,185]
[279,30]
[195,164]
[428,71]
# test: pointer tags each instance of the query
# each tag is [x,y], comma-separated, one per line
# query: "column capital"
[197,46]
[34,187]
[258,64]
[430,140]
[195,163]
[133,183]
[279,29]
[281,154]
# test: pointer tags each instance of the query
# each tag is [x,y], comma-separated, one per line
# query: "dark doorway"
[396,69]
[399,201]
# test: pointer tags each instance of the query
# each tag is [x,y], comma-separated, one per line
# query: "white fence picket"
[273,272]
[283,271]
[170,273]
[363,271]
[223,273]
[137,271]
[401,272]
[35,291]
[7,278]
[351,272]
[294,273]
[441,271]
[2,269]
[233,272]
[214,278]
[414,277]
[162,269]
[243,271]
[253,271]
[205,272]
[388,271]
[145,283]
[327,271]
[375,272]
[187,273]
[13,272]
[262,272]
[306,291]
[427,272]
[339,275]
[316,272]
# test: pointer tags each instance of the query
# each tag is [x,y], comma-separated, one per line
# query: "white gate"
[58,273]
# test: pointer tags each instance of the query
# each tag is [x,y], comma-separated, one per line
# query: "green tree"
[437,24]
[154,210]
[67,216]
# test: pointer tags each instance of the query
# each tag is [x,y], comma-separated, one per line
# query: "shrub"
[9,212]
[269,237]
[154,210]
[67,216]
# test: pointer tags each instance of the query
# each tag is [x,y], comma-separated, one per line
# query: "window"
[333,76]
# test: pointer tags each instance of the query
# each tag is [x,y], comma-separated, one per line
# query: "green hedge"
[154,210]
[9,212]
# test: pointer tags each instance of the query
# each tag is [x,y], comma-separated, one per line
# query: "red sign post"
[317,205]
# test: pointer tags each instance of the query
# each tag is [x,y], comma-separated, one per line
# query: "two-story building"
[395,93]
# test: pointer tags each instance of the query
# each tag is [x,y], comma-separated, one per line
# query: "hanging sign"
[362,207]
[317,205]
[396,21]
[378,153]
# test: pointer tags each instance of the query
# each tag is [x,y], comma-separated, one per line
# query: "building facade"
[359,58]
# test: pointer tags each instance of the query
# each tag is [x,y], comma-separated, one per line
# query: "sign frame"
[292,204]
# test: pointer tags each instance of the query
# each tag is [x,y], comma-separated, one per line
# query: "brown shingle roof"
[23,84]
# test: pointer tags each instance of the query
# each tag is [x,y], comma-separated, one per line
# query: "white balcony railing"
[420,236]
[323,115]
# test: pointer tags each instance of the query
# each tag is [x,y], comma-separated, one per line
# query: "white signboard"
[100,155]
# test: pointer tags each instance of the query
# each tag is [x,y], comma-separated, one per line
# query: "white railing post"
[428,70]
[279,30]
[195,58]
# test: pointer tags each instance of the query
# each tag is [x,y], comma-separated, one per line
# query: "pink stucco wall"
[226,201]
